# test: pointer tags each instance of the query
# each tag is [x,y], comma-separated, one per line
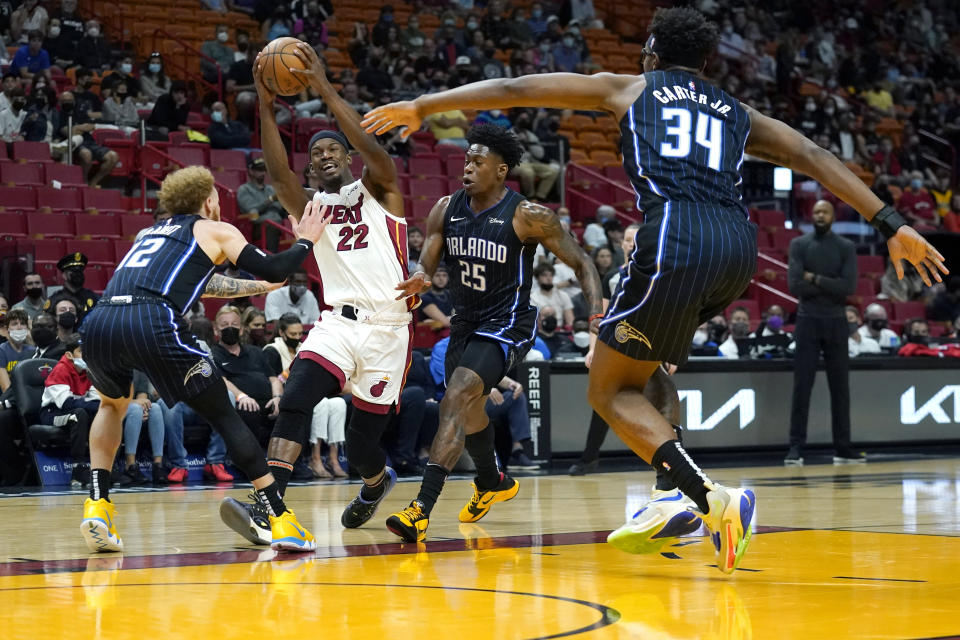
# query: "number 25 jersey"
[362,254]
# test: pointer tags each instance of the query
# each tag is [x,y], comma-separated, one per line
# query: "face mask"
[223,36]
[217,116]
[581,339]
[728,29]
[19,335]
[877,324]
[716,332]
[154,68]
[912,339]
[230,336]
[43,336]
[416,41]
[740,329]
[829,111]
[495,113]
[568,42]
[520,19]
[67,320]
[774,323]
[549,324]
[54,32]
[852,327]
[916,185]
[18,104]
[297,291]
[547,287]
[699,338]
[126,67]
[80,364]
[536,13]
[93,32]
[35,292]
[545,47]
[574,30]
[258,337]
[449,22]
[75,278]
[292,343]
[811,106]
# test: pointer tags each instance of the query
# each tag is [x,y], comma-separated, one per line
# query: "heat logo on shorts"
[624,333]
[379,387]
[203,367]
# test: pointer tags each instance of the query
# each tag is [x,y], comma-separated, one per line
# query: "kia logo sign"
[745,400]
[932,408]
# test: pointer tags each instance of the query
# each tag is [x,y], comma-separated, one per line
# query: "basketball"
[277,59]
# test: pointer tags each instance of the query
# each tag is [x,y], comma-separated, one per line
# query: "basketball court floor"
[839,552]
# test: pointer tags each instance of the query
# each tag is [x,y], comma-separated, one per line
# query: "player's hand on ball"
[315,72]
[414,285]
[311,225]
[909,245]
[265,95]
[398,114]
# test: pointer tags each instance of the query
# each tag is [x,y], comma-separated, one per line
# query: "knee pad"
[309,383]
[363,442]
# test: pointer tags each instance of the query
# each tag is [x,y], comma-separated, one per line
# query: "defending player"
[366,338]
[139,324]
[683,142]
[486,235]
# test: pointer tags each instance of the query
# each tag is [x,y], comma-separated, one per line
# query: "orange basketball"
[277,59]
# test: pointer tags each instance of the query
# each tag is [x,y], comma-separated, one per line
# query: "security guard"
[71,268]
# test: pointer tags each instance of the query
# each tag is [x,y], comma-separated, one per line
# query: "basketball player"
[683,142]
[486,235]
[366,338]
[139,324]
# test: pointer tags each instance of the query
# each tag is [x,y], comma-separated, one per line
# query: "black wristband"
[887,221]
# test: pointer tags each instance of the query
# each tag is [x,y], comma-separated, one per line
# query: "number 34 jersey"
[363,252]
[490,267]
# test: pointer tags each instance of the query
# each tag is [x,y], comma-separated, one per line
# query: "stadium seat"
[429,188]
[228,160]
[120,248]
[870,266]
[752,307]
[98,252]
[883,302]
[152,164]
[424,337]
[866,287]
[103,200]
[425,165]
[55,225]
[69,175]
[770,219]
[96,278]
[230,179]
[13,225]
[454,164]
[31,152]
[21,175]
[781,239]
[903,311]
[420,209]
[356,166]
[444,150]
[59,200]
[43,250]
[188,156]
[306,127]
[17,198]
[131,223]
[95,225]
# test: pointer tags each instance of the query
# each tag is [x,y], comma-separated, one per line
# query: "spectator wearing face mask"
[123,74]
[120,109]
[739,332]
[566,54]
[45,338]
[153,81]
[917,205]
[857,343]
[59,46]
[916,338]
[537,21]
[35,298]
[259,201]
[220,51]
[875,327]
[225,133]
[254,327]
[436,304]
[544,294]
[65,313]
[17,347]
[770,340]
[32,59]
[294,298]
[11,120]
[93,51]
[71,268]
[547,325]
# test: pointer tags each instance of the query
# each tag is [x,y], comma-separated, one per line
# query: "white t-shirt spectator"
[866,345]
[555,298]
[731,45]
[594,236]
[10,124]
[888,338]
[729,349]
[279,303]
[563,273]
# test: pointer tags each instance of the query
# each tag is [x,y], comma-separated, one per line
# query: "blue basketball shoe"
[729,520]
[667,516]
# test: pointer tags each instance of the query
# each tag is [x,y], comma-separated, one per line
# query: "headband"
[335,135]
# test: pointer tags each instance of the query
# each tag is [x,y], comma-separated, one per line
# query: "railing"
[182,66]
[290,132]
[593,188]
[942,145]
[170,160]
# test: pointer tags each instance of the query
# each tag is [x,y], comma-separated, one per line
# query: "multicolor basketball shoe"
[729,520]
[667,516]
[481,501]
[289,534]
[98,528]
[359,511]
[410,524]
[250,519]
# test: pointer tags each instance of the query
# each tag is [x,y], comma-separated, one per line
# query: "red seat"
[299,161]
[769,298]
[903,311]
[454,165]
[59,200]
[228,160]
[883,302]
[13,225]
[420,209]
[425,165]
[752,307]
[54,225]
[96,278]
[44,250]
[399,164]
[764,240]
[356,166]
[781,239]
[69,175]
[188,156]
[21,175]
[98,252]
[870,266]
[615,172]
[454,184]
[102,136]
[230,179]
[152,164]
[121,248]
[17,198]
[31,152]
[131,223]
[770,218]
[866,287]
[306,127]
[429,188]
[103,200]
[445,150]
[198,121]
[98,226]
[424,337]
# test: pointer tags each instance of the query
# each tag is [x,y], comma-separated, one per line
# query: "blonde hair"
[225,309]
[184,191]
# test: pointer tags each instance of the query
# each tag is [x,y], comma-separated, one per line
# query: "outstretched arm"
[536,223]
[776,142]
[430,254]
[381,174]
[226,287]
[290,193]
[600,92]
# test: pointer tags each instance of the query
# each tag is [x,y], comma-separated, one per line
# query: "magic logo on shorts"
[625,333]
[204,368]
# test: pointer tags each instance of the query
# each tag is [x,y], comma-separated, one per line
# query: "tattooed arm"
[536,223]
[225,287]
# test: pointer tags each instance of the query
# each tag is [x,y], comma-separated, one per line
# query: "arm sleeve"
[276,267]
[798,286]
[846,283]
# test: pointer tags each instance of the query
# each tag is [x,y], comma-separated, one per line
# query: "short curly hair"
[499,140]
[184,191]
[683,37]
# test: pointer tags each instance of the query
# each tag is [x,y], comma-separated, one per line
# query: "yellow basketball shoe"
[97,528]
[729,520]
[481,501]
[290,535]
[410,524]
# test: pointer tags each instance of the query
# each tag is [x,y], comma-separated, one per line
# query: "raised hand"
[909,245]
[398,114]
[414,285]
[312,224]
[315,72]
[263,92]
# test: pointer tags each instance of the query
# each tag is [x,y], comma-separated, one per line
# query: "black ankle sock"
[281,470]
[371,492]
[270,496]
[682,471]
[664,483]
[480,446]
[100,484]
[433,478]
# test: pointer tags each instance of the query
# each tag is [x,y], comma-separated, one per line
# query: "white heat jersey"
[362,254]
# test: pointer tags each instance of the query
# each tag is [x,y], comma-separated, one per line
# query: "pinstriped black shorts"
[514,335]
[150,337]
[690,262]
